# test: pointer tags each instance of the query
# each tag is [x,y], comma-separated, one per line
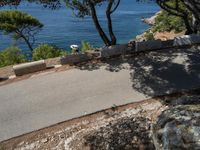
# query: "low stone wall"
[167,44]
[114,50]
[52,61]
[148,45]
[105,52]
[31,67]
[75,58]
[187,40]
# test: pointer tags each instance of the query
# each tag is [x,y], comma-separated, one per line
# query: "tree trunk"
[28,43]
[110,28]
[98,26]
[189,29]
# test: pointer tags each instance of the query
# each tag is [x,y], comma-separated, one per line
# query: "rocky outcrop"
[151,20]
[179,126]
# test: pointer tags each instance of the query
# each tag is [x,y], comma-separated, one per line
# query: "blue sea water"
[62,28]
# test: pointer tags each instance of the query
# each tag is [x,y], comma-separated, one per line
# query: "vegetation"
[45,51]
[166,22]
[20,25]
[82,8]
[149,35]
[187,10]
[86,46]
[11,56]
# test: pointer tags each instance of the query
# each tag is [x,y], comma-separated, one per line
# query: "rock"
[44,140]
[178,128]
[151,20]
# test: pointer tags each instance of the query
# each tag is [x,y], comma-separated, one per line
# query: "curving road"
[49,98]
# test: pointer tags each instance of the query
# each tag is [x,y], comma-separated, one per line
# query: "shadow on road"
[157,73]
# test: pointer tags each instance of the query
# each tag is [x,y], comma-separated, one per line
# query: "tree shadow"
[164,72]
[125,133]
[157,73]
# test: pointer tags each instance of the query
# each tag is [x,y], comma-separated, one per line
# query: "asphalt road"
[49,98]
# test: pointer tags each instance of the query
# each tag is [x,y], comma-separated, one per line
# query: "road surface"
[49,98]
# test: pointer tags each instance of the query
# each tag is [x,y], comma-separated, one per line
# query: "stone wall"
[148,45]
[114,50]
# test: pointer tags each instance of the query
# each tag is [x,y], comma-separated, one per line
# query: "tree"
[83,8]
[194,7]
[188,10]
[20,25]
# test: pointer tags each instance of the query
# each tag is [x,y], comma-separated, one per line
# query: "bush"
[149,35]
[166,22]
[45,51]
[86,46]
[11,56]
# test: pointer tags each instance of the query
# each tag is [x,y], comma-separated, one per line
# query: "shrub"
[166,22]
[11,56]
[45,51]
[148,35]
[86,46]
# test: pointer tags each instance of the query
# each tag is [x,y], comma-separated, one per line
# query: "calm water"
[61,28]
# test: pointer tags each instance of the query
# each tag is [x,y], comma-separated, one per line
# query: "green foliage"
[86,46]
[166,22]
[20,25]
[12,20]
[45,51]
[11,56]
[148,35]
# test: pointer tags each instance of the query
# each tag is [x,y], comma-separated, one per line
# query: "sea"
[62,28]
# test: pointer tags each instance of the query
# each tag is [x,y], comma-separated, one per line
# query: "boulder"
[178,128]
[31,67]
[75,58]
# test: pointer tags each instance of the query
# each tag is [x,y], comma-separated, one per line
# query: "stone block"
[114,50]
[148,45]
[31,67]
[167,44]
[186,40]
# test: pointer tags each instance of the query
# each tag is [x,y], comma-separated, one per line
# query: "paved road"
[50,98]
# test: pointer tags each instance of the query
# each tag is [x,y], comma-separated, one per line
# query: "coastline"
[163,36]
